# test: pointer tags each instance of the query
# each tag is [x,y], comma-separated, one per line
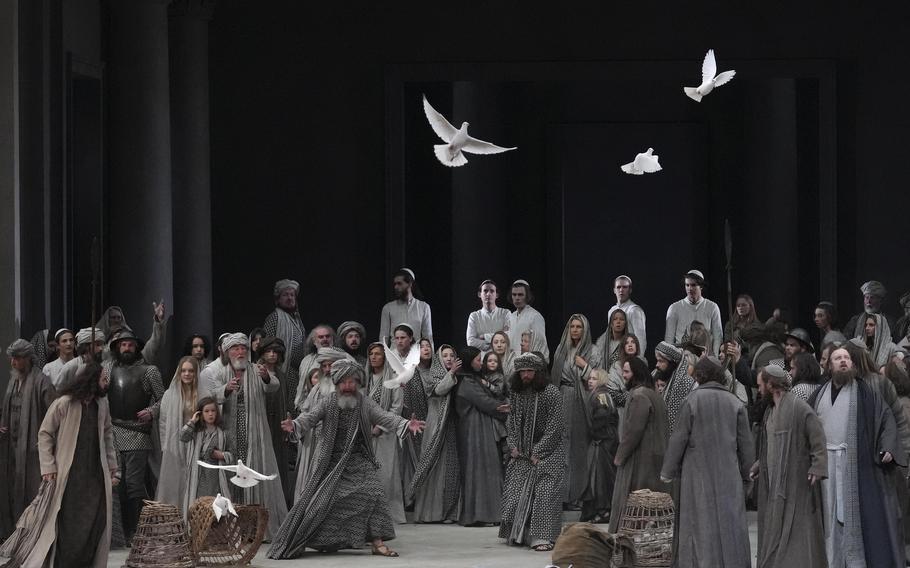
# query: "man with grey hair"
[241,389]
[792,458]
[343,504]
[874,294]
[694,307]
[352,336]
[635,315]
[285,324]
[28,396]
[321,336]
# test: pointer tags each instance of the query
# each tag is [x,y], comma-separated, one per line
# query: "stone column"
[140,243]
[9,182]
[191,167]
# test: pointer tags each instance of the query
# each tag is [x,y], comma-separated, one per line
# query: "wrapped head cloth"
[529,362]
[669,352]
[344,368]
[873,288]
[22,348]
[235,339]
[284,284]
[330,354]
[84,336]
[349,326]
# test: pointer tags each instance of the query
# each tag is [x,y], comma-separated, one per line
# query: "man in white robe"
[489,319]
[406,308]
[66,351]
[526,318]
[694,307]
[635,315]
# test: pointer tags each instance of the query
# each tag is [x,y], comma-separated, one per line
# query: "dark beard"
[127,358]
[842,378]
[399,295]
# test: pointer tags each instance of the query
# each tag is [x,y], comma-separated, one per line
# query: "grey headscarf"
[22,348]
[344,368]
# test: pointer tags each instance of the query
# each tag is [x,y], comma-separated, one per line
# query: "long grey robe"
[33,543]
[387,446]
[711,452]
[20,472]
[790,524]
[478,451]
[260,454]
[288,327]
[534,426]
[859,428]
[641,449]
[436,477]
[356,513]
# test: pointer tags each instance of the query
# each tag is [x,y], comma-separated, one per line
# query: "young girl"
[492,374]
[207,442]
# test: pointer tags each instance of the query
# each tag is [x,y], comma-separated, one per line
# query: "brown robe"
[37,393]
[33,541]
[790,511]
[641,449]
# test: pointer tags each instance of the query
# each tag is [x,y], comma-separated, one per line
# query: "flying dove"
[709,78]
[403,372]
[456,140]
[644,163]
[222,506]
[245,477]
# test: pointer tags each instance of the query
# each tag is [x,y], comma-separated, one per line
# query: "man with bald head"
[863,450]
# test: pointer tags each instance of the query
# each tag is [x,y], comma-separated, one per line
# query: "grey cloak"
[343,503]
[711,452]
[387,446]
[33,542]
[641,449]
[790,511]
[19,487]
[478,451]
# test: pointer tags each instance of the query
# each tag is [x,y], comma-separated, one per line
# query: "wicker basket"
[161,539]
[648,521]
[232,541]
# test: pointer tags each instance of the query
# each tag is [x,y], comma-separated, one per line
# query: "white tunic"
[528,319]
[483,323]
[414,312]
[635,320]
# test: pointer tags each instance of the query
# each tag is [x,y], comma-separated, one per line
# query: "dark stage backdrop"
[322,165]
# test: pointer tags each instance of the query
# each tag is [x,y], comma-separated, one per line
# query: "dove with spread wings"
[644,163]
[710,78]
[457,141]
[403,370]
[245,477]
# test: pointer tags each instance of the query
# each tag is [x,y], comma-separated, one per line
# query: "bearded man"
[134,397]
[241,389]
[532,491]
[352,335]
[285,324]
[863,455]
[343,504]
[28,396]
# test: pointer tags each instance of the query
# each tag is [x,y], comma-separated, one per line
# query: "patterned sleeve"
[270,325]
[553,430]
[151,381]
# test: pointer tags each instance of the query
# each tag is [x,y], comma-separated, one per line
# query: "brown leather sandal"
[384,550]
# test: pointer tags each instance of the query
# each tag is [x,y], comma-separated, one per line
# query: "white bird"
[456,140]
[403,371]
[245,477]
[709,78]
[644,163]
[222,506]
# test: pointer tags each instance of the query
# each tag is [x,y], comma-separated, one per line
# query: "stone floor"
[426,546]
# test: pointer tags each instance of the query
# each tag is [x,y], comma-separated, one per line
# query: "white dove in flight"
[644,163]
[245,477]
[456,140]
[222,506]
[709,78]
[403,371]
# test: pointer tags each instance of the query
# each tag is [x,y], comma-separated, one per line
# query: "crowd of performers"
[497,432]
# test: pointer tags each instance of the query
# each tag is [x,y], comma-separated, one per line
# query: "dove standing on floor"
[644,163]
[403,370]
[245,477]
[709,78]
[456,140]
